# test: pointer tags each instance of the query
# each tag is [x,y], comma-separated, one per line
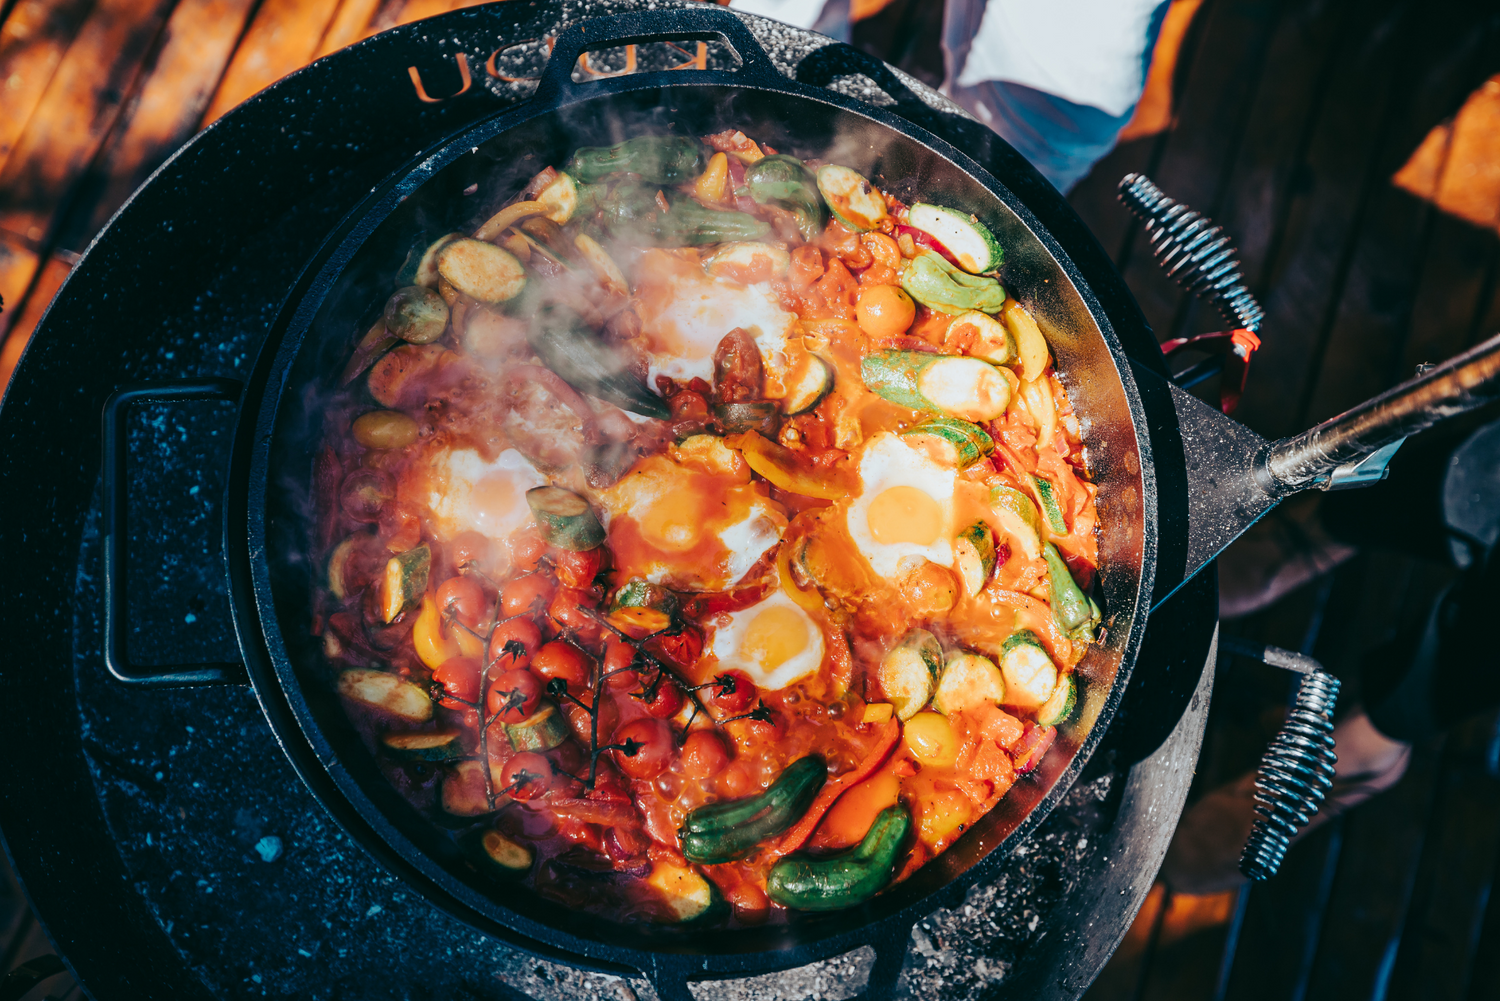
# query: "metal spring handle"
[1195,253]
[1296,771]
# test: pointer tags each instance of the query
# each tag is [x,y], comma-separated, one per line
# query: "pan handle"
[1316,457]
[704,23]
[116,507]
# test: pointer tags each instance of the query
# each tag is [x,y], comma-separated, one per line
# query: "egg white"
[683,332]
[888,461]
[467,493]
[729,641]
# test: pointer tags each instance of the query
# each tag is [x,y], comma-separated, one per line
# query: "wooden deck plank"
[1372,890]
[1456,871]
[1447,58]
[77,111]
[1456,274]
[349,25]
[1202,147]
[18,266]
[199,39]
[284,37]
[29,313]
[33,40]
[1122,976]
[1283,921]
[1329,186]
[1189,947]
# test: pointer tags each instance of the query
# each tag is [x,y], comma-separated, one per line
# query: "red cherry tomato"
[459,677]
[735,781]
[578,569]
[652,742]
[566,610]
[526,776]
[527,550]
[526,595]
[665,701]
[514,695]
[682,648]
[619,656]
[732,692]
[561,659]
[514,642]
[470,549]
[464,599]
[704,754]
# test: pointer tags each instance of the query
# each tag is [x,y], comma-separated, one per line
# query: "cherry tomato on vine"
[526,776]
[527,550]
[464,599]
[514,695]
[459,677]
[619,656]
[561,659]
[731,692]
[578,569]
[664,701]
[526,595]
[514,642]
[652,742]
[567,610]
[704,754]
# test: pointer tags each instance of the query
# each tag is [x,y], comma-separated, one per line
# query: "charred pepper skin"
[631,211]
[831,883]
[723,832]
[655,159]
[1073,610]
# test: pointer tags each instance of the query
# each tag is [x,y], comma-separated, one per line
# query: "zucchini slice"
[1031,346]
[504,857]
[541,731]
[1060,706]
[561,198]
[429,745]
[909,672]
[1027,669]
[1047,494]
[1019,518]
[748,262]
[968,680]
[807,386]
[970,242]
[386,692]
[950,384]
[850,197]
[689,895]
[641,604]
[566,520]
[426,273]
[464,792]
[974,556]
[338,563]
[405,581]
[481,271]
[970,441]
[985,337]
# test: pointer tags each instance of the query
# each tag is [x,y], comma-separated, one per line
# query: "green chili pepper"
[786,181]
[723,832]
[1073,610]
[657,159]
[810,883]
[933,282]
[631,211]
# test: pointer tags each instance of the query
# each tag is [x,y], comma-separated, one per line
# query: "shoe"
[1278,554]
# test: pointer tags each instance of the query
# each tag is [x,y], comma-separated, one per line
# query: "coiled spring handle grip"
[1296,771]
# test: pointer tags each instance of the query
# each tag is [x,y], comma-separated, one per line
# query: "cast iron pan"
[1068,290]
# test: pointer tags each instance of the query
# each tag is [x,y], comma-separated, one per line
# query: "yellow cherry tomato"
[931,740]
[884,311]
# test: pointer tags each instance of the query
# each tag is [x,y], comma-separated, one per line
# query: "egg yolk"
[675,522]
[905,514]
[774,637]
[493,502]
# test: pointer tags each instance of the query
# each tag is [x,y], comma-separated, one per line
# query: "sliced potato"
[386,692]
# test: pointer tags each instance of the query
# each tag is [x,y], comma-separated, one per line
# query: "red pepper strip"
[832,790]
